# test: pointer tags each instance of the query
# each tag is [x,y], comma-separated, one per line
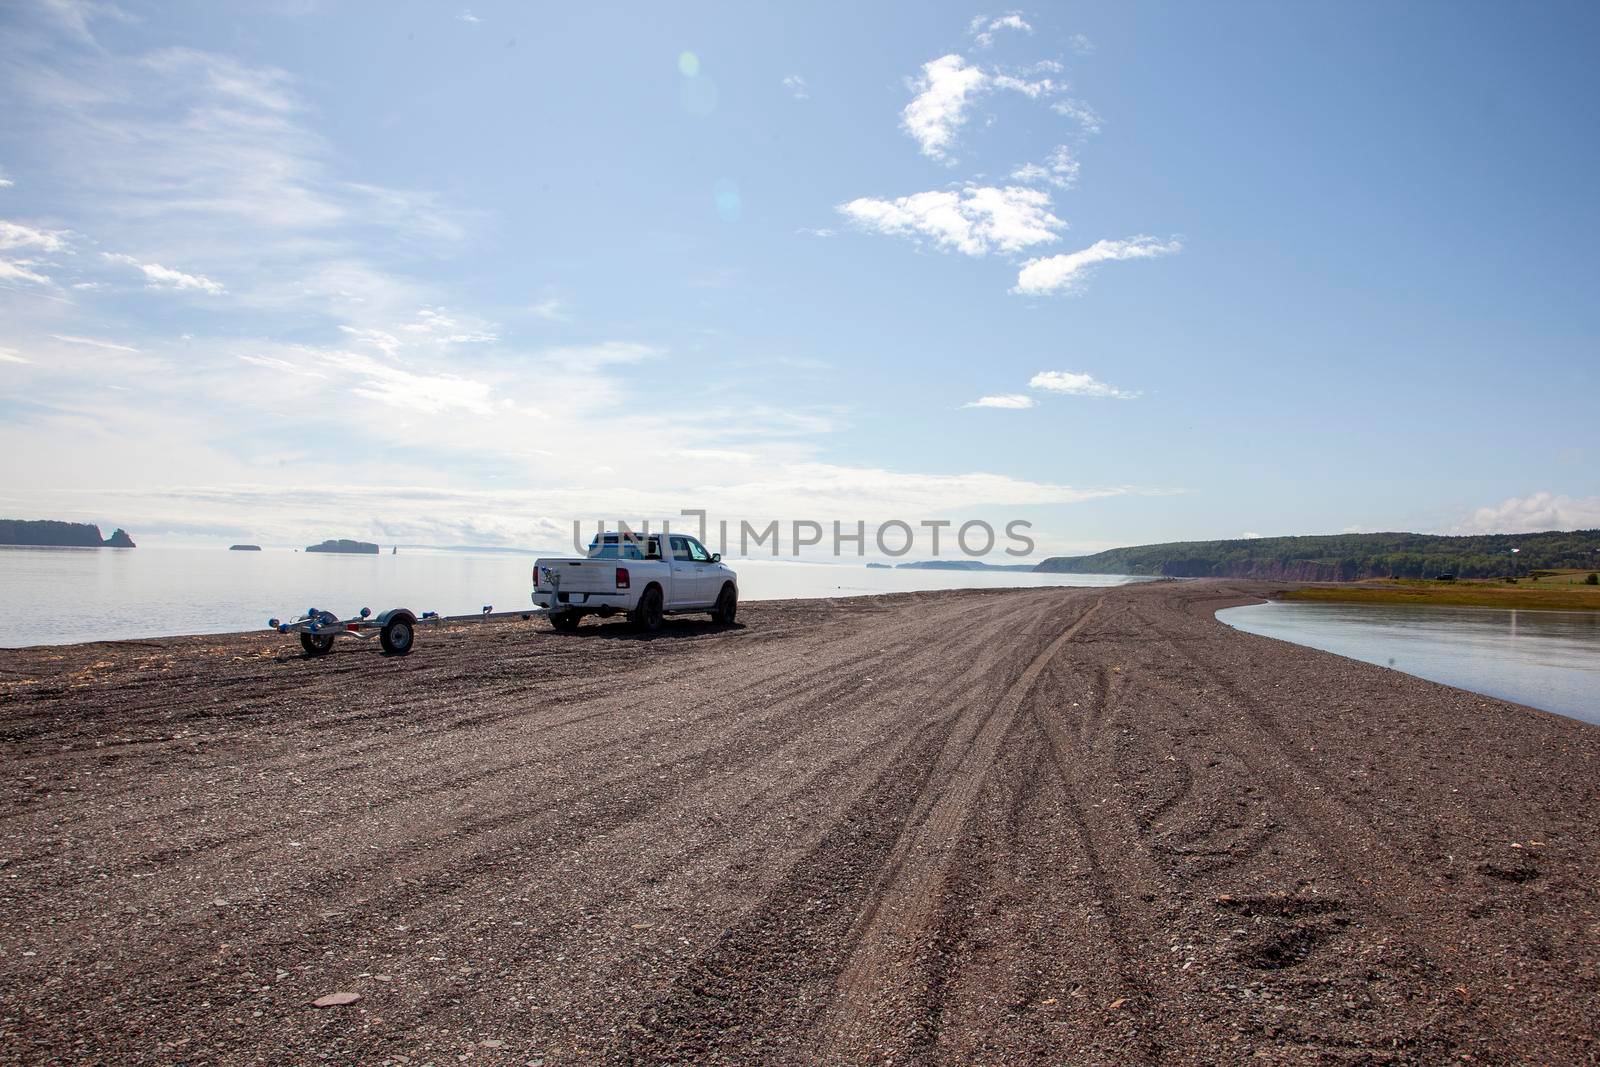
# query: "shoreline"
[1056,824]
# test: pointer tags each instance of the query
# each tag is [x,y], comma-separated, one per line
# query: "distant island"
[963,565]
[355,548]
[1345,557]
[46,533]
[244,548]
[878,566]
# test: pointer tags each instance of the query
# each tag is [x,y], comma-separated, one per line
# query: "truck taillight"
[622,578]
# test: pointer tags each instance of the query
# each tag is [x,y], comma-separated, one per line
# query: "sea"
[66,595]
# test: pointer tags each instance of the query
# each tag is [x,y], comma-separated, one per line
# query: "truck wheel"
[565,621]
[727,606]
[316,644]
[397,636]
[646,618]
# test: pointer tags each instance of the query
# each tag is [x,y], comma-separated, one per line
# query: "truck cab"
[644,576]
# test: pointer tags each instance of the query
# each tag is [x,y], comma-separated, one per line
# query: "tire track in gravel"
[1337,831]
[916,871]
[960,749]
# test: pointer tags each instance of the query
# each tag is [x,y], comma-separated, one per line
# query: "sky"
[431,274]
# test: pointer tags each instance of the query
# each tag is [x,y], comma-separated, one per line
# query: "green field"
[1551,591]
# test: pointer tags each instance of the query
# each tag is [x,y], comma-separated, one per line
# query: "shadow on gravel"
[622,630]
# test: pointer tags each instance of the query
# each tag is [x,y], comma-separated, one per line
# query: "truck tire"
[565,621]
[727,606]
[646,618]
[399,635]
[316,644]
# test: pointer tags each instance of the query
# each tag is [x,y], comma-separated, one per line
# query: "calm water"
[59,595]
[1545,659]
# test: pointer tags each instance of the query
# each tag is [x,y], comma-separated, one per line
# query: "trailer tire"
[646,618]
[565,621]
[316,644]
[727,606]
[399,635]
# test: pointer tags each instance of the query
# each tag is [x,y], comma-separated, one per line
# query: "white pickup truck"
[645,576]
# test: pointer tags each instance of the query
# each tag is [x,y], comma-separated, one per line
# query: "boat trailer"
[395,629]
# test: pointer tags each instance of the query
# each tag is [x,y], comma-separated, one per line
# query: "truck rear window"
[613,548]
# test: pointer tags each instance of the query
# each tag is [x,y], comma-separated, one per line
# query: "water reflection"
[1546,659]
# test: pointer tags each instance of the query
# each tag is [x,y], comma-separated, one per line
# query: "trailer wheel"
[646,618]
[316,644]
[565,621]
[727,606]
[397,636]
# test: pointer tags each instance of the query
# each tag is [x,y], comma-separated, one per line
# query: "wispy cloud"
[1004,401]
[159,277]
[551,309]
[11,355]
[468,17]
[983,28]
[797,87]
[14,235]
[93,342]
[974,220]
[1059,169]
[1060,274]
[1081,113]
[21,270]
[1074,384]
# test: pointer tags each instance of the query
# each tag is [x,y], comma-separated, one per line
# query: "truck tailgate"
[583,575]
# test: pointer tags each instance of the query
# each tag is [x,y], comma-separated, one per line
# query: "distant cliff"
[50,534]
[1345,557]
[362,548]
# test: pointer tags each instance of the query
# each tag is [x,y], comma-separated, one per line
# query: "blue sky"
[1135,273]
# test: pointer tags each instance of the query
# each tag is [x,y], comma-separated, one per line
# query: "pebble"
[334,1000]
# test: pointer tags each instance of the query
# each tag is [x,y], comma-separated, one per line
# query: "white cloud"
[1080,44]
[468,17]
[10,355]
[819,231]
[14,235]
[1065,381]
[109,346]
[982,28]
[1535,512]
[797,87]
[1058,274]
[975,220]
[160,277]
[944,93]
[1060,169]
[1006,402]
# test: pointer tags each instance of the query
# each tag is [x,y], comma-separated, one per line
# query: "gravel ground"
[1052,826]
